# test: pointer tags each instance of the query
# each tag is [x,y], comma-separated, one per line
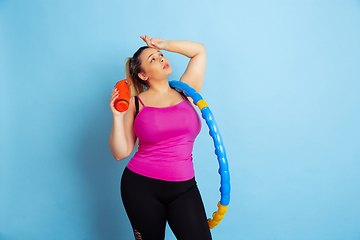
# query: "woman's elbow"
[119,157]
[203,48]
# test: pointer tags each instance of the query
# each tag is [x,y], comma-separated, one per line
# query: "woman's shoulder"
[143,95]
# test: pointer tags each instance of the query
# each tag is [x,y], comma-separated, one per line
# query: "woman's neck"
[159,87]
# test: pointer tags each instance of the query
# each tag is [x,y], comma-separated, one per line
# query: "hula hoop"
[219,150]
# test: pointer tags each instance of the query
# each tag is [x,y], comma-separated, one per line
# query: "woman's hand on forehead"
[157,43]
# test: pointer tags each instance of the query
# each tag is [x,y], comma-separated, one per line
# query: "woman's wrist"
[118,117]
[166,46]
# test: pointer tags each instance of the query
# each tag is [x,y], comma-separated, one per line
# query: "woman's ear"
[142,76]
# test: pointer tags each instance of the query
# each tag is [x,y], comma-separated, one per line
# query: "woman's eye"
[153,59]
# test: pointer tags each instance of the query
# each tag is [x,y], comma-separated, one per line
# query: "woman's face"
[154,64]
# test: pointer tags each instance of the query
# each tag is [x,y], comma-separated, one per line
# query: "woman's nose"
[161,59]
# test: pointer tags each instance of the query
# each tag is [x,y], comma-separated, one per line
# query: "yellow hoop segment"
[201,104]
[217,216]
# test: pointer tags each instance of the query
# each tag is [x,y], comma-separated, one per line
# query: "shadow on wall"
[101,174]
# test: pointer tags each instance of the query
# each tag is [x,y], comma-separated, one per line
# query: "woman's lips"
[166,66]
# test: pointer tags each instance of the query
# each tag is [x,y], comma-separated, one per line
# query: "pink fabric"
[166,138]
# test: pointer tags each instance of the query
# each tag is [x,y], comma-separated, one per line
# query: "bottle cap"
[121,105]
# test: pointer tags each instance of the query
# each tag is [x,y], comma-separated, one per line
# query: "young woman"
[158,184]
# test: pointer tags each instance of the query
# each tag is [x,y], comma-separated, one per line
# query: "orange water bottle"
[122,101]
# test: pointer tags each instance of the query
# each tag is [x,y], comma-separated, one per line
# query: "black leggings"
[149,203]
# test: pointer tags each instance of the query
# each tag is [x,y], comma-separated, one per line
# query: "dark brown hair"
[132,69]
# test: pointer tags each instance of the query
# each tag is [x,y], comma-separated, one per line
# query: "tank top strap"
[140,101]
[137,99]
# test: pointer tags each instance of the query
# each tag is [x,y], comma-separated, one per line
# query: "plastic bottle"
[121,103]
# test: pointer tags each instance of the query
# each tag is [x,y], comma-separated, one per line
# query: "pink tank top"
[166,138]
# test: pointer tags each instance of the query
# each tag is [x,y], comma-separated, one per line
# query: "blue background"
[282,82]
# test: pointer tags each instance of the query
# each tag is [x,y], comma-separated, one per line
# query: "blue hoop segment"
[219,149]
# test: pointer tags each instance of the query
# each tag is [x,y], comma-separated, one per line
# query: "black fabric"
[136,106]
[183,94]
[149,203]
